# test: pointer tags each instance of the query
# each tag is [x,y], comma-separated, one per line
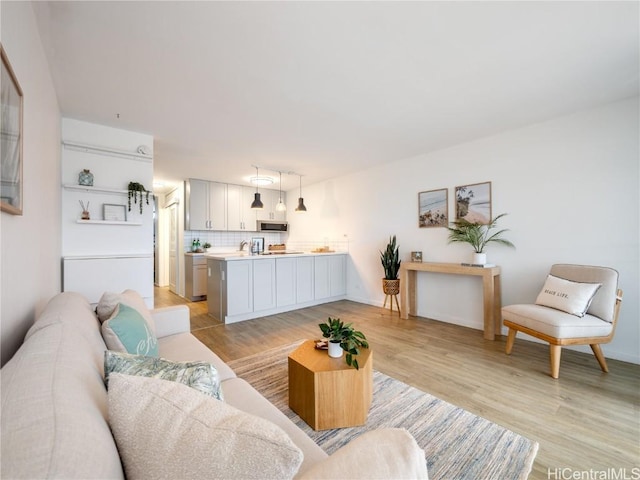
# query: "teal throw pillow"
[127,331]
[200,376]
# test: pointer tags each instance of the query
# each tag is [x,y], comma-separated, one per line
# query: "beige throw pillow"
[566,295]
[168,430]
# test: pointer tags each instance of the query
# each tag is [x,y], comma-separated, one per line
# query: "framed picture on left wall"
[10,139]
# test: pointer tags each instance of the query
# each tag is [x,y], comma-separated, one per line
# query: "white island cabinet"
[242,287]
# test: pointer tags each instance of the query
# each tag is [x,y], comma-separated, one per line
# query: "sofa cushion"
[201,376]
[566,295]
[110,300]
[54,402]
[377,454]
[127,331]
[184,347]
[555,323]
[167,430]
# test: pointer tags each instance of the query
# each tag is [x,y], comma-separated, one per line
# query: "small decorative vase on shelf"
[85,177]
[335,350]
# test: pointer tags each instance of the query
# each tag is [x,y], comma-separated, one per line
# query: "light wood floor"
[586,420]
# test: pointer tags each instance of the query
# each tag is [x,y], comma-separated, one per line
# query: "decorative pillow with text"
[566,295]
[128,331]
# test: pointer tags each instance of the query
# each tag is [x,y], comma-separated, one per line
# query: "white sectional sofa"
[55,406]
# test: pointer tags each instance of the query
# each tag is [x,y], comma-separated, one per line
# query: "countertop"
[247,255]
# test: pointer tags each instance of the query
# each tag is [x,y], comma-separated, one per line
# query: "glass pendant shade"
[281,207]
[301,207]
[257,203]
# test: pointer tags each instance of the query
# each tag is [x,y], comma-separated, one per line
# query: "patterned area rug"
[457,444]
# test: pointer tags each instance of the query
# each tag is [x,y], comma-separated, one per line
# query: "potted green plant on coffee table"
[343,337]
[478,235]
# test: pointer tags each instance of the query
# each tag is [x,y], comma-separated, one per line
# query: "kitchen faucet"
[242,245]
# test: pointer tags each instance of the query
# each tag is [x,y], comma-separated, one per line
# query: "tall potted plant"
[390,259]
[478,235]
[343,337]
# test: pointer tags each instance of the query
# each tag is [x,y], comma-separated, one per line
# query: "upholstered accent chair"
[578,305]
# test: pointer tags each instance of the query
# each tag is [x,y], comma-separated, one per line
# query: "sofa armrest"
[377,454]
[171,320]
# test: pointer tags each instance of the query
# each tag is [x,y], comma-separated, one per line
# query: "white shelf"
[107,222]
[85,188]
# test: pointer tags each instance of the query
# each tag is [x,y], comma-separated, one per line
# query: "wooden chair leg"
[597,351]
[556,351]
[510,339]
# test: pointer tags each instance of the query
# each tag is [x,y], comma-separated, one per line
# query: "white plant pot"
[479,259]
[335,350]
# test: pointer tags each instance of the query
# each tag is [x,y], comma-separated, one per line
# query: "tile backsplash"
[230,240]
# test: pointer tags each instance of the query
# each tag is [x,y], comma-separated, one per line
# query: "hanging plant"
[136,190]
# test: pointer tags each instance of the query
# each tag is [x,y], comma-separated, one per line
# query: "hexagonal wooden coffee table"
[327,393]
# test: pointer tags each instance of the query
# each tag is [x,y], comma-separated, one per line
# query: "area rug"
[457,443]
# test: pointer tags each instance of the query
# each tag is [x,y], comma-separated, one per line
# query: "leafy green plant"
[390,259]
[478,235]
[136,190]
[350,339]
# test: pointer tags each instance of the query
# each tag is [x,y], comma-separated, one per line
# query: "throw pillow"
[566,295]
[201,376]
[167,430]
[110,300]
[127,331]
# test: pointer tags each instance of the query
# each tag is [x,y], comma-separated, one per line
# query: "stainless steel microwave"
[264,226]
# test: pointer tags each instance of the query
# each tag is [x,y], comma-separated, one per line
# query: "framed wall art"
[433,208]
[114,213]
[473,202]
[10,139]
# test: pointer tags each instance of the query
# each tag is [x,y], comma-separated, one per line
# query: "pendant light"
[257,203]
[281,207]
[301,207]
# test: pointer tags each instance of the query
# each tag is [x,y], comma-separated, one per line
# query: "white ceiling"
[327,88]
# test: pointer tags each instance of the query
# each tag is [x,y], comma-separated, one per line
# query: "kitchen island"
[241,286]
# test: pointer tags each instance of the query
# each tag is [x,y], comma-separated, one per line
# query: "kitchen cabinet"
[240,215]
[239,287]
[304,279]
[195,277]
[270,199]
[242,287]
[286,281]
[329,276]
[206,205]
[264,284]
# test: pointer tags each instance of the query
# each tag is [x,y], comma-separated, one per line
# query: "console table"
[490,284]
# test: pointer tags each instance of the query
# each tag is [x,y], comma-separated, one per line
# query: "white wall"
[570,187]
[30,244]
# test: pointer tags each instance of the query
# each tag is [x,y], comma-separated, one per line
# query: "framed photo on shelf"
[433,208]
[114,213]
[11,111]
[257,244]
[416,257]
[473,203]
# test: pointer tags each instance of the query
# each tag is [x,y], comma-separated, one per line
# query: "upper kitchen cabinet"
[206,205]
[240,215]
[270,199]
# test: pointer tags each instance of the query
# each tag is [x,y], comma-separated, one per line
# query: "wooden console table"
[490,283]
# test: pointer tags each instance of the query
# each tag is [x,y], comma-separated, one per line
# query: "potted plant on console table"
[390,259]
[343,337]
[478,236]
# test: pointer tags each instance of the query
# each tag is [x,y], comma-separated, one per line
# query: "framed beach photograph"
[473,203]
[433,208]
[10,139]
[114,213]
